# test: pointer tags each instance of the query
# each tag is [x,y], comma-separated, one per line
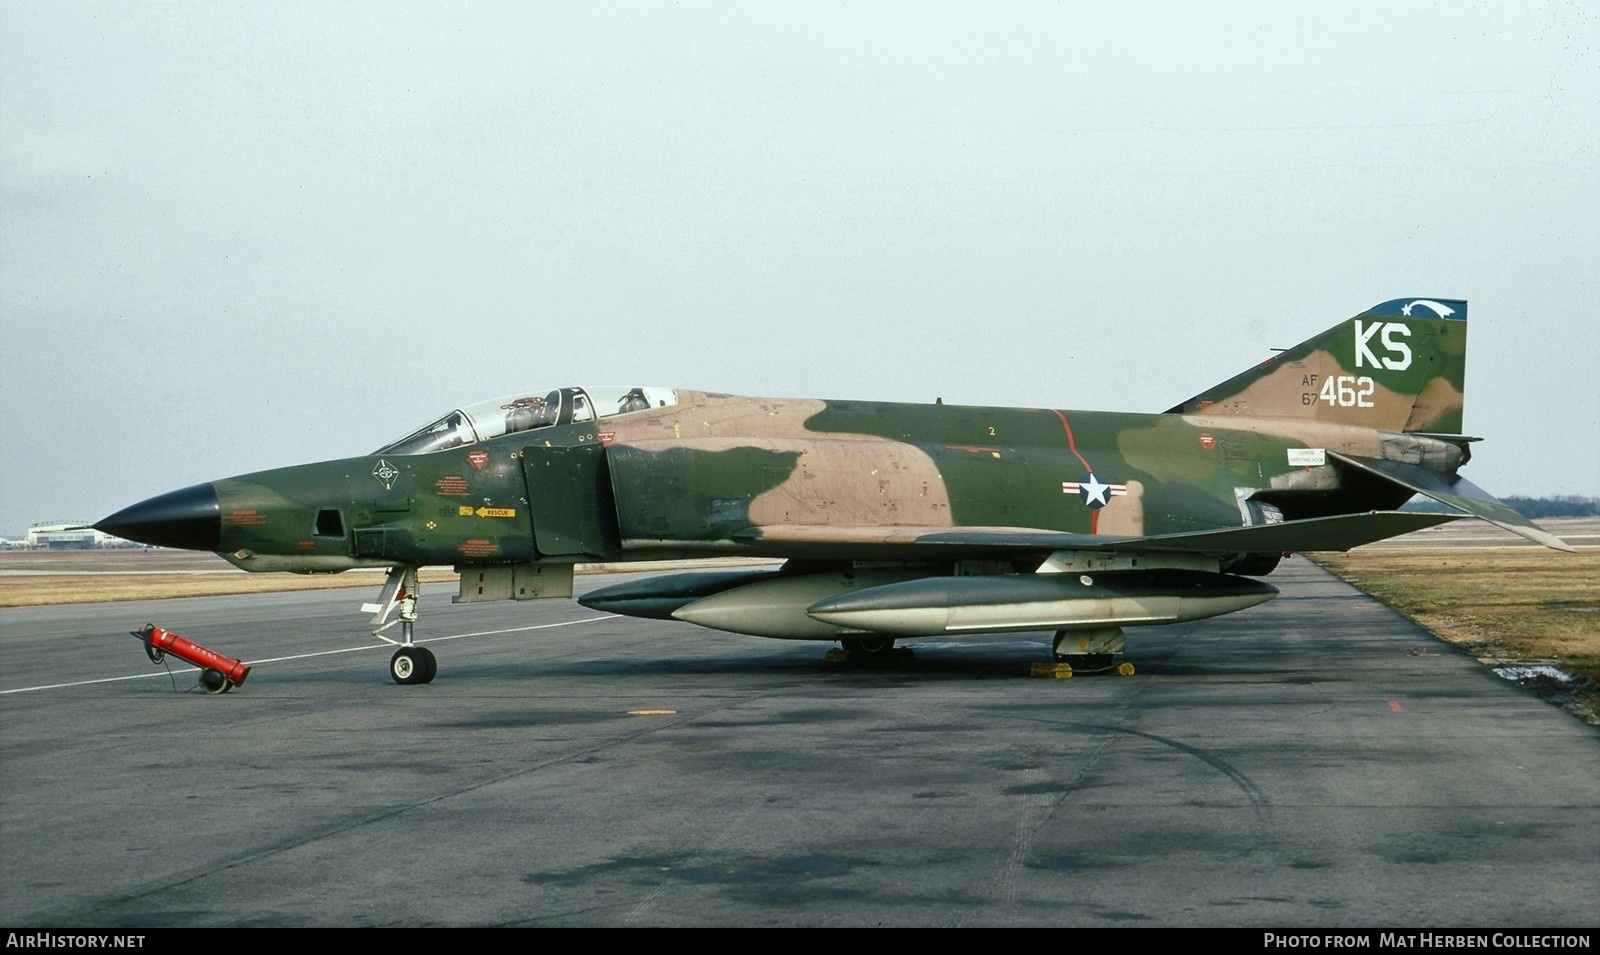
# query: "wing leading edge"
[1318,533]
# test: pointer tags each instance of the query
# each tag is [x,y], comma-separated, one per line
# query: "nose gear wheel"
[411,665]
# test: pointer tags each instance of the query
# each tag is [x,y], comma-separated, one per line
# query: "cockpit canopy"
[526,412]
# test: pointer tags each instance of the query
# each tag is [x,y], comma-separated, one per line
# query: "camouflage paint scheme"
[1311,450]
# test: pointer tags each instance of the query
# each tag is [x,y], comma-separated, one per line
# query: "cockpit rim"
[528,411]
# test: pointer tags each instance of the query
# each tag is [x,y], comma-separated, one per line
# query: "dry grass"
[37,578]
[34,591]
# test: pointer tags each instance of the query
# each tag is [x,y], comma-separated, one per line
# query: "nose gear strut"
[402,589]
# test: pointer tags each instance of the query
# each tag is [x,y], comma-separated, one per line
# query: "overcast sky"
[238,236]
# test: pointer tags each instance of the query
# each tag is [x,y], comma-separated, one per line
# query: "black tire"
[869,649]
[430,664]
[1251,565]
[213,681]
[1088,662]
[407,666]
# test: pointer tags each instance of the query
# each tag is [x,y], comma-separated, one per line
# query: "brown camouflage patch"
[861,481]
[1438,408]
[1125,514]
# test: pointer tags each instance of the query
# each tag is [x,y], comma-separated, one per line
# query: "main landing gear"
[1085,651]
[410,664]
[869,650]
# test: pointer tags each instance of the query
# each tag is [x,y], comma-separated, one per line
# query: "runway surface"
[1315,761]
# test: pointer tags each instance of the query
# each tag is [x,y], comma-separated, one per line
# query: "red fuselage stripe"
[1072,444]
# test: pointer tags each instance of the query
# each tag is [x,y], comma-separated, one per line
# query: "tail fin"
[1399,366]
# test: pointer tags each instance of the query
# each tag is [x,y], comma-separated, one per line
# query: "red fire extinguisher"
[218,674]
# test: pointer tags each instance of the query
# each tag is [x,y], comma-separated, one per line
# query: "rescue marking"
[1208,441]
[477,459]
[385,473]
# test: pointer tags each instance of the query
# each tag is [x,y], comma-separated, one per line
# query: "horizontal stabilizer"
[1456,491]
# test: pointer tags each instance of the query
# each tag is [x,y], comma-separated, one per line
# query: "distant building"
[71,535]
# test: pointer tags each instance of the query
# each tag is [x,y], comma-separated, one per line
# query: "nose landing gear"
[410,664]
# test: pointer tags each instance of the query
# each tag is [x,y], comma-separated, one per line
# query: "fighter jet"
[892,521]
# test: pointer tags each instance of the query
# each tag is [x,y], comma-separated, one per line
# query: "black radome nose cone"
[189,518]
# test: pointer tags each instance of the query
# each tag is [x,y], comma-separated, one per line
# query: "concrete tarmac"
[1315,761]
